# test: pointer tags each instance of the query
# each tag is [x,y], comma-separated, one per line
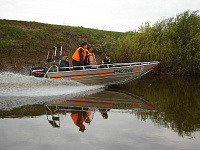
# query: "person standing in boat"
[106,61]
[79,56]
[89,56]
[64,63]
[80,115]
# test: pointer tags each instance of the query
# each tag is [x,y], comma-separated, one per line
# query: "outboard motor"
[37,71]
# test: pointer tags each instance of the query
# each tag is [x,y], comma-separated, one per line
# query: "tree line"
[175,42]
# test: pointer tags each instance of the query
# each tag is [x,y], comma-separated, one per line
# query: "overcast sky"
[112,15]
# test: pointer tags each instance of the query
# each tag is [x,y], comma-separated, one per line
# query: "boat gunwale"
[128,65]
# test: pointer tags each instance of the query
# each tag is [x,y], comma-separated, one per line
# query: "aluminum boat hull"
[117,74]
[109,99]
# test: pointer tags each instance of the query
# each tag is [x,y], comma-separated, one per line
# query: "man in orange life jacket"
[80,116]
[79,56]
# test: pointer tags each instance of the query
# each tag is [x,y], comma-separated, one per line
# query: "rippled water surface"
[151,113]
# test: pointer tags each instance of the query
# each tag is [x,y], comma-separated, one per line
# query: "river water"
[153,112]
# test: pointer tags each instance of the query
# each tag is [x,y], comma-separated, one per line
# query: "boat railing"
[53,60]
[106,66]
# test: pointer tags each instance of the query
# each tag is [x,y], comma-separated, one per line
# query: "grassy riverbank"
[175,42]
[24,43]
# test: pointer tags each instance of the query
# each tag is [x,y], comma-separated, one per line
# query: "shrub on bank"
[175,42]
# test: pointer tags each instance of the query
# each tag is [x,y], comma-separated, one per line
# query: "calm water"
[154,113]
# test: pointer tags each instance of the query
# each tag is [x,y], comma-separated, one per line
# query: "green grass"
[33,39]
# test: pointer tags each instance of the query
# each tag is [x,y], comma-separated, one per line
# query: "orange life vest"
[90,57]
[76,54]
[75,117]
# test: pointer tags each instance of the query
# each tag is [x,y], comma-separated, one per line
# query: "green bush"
[175,42]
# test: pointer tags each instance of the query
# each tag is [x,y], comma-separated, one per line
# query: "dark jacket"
[106,61]
[64,63]
[81,52]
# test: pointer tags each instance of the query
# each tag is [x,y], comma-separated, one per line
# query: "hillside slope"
[25,43]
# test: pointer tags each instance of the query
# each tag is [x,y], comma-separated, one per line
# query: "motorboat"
[106,74]
[107,99]
[104,102]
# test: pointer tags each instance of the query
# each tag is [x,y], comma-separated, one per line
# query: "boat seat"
[57,58]
[48,60]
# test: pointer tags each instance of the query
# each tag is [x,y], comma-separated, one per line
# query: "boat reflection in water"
[82,109]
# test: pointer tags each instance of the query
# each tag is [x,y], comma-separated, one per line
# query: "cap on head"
[83,43]
[89,47]
[107,55]
[82,128]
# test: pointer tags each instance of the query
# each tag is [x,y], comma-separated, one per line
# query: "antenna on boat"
[55,118]
[60,53]
[53,58]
